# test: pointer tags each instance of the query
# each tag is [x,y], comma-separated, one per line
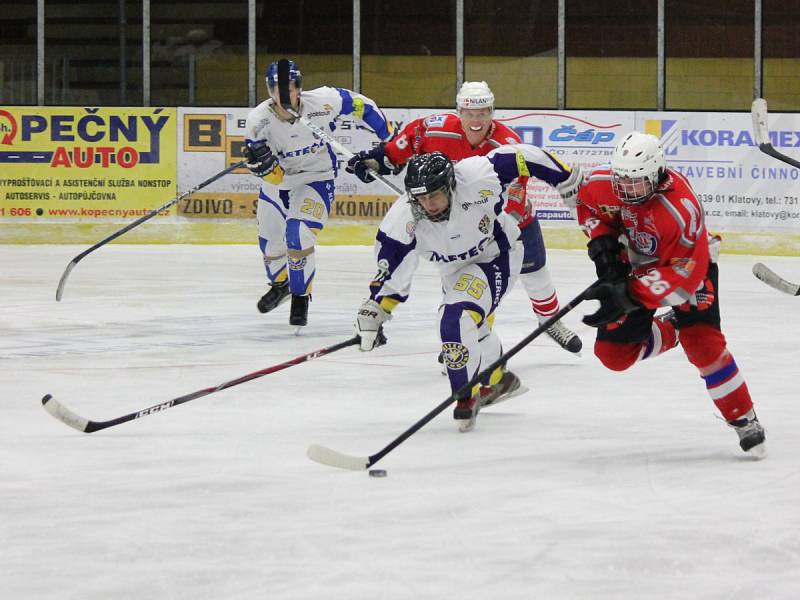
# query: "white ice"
[592,485]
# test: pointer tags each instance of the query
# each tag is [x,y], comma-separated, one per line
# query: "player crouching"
[452,215]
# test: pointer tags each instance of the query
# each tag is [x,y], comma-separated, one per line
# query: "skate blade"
[758,452]
[467,425]
[517,392]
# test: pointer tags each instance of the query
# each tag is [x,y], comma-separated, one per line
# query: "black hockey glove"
[615,302]
[612,287]
[260,159]
[605,254]
[365,161]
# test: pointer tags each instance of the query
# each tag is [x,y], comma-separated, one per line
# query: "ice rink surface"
[592,485]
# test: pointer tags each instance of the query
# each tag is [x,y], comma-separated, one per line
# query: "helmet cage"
[637,167]
[279,74]
[427,174]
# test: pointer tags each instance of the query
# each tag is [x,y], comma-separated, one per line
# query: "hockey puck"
[377,473]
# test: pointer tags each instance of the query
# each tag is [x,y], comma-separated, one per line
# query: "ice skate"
[565,338]
[466,412]
[751,434]
[508,387]
[277,294]
[298,315]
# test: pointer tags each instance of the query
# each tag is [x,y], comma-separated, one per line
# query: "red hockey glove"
[517,203]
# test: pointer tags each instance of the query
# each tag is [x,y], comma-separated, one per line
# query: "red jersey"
[667,241]
[444,133]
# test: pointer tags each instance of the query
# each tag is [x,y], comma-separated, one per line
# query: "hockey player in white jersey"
[299,170]
[452,215]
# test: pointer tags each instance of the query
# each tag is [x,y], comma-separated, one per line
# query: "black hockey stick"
[330,457]
[63,281]
[772,279]
[761,130]
[65,415]
[343,150]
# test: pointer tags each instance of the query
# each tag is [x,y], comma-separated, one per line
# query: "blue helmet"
[292,74]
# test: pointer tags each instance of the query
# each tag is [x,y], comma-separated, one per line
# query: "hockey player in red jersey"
[651,249]
[473,132]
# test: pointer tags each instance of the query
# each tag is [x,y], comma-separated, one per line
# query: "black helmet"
[427,173]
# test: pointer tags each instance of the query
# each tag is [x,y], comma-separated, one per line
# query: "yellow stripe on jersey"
[563,165]
[358,107]
[522,168]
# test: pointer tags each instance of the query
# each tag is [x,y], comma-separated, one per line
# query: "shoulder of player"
[258,118]
[504,134]
[444,121]
[398,223]
[476,181]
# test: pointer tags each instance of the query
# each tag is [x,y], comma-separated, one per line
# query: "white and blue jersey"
[476,249]
[302,156]
[477,230]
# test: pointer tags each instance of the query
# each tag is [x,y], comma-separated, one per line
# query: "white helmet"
[475,94]
[639,158]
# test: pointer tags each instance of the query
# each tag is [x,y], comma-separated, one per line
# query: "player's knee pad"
[702,343]
[455,320]
[617,356]
[300,236]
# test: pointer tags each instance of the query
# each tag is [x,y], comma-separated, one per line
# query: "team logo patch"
[435,121]
[456,355]
[296,265]
[483,226]
[645,243]
[410,227]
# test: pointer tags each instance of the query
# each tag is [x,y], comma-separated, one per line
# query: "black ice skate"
[751,434]
[298,315]
[466,411]
[508,387]
[277,294]
[565,338]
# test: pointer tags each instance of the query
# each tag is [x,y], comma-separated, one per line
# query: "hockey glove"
[260,159]
[605,251]
[369,325]
[517,203]
[569,188]
[362,164]
[615,302]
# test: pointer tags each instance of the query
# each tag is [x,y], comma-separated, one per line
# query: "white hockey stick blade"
[760,127]
[63,414]
[332,458]
[772,279]
[63,281]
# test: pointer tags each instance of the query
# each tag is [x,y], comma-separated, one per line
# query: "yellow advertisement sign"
[84,164]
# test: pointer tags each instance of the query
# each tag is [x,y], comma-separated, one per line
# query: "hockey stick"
[330,457]
[65,415]
[761,130]
[63,281]
[772,279]
[323,135]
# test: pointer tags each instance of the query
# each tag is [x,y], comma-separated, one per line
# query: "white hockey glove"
[369,321]
[568,189]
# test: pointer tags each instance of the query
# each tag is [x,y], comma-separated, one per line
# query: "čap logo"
[581,135]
